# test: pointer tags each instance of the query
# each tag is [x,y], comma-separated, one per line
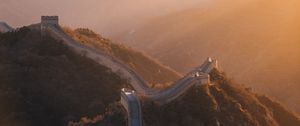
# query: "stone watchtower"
[46,21]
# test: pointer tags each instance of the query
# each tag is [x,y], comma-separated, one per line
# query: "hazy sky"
[104,16]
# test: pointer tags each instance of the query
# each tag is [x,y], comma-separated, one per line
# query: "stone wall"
[131,103]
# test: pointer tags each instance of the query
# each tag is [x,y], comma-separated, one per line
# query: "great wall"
[129,98]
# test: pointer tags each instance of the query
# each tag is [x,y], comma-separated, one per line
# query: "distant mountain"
[256,41]
[155,73]
[106,17]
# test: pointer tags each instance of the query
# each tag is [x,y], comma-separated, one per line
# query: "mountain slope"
[43,82]
[152,71]
[256,41]
[223,103]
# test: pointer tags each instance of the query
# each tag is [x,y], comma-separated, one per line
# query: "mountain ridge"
[33,54]
[134,59]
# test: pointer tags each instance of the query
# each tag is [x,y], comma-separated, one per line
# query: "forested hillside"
[44,83]
[156,74]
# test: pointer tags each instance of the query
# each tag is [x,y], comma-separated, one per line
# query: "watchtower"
[46,21]
[203,78]
[50,20]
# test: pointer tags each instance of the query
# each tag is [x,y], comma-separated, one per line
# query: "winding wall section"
[129,100]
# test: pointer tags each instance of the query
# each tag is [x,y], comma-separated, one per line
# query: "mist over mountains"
[104,16]
[256,41]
